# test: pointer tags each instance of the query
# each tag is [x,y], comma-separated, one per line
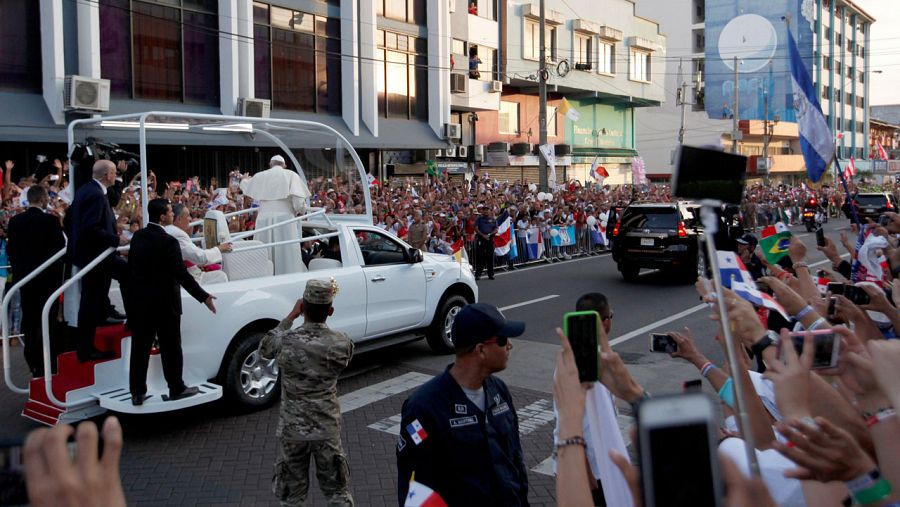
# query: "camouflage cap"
[319,292]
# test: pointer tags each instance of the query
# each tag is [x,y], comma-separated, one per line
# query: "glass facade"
[409,11]
[20,45]
[402,75]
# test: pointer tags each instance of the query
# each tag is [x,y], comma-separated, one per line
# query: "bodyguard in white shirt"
[190,252]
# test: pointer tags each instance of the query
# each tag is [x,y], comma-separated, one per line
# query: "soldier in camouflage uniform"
[310,359]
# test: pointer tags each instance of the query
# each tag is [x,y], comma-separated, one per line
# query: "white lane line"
[649,327]
[529,302]
[526,269]
[377,392]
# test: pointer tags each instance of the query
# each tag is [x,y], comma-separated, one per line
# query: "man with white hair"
[281,194]
[197,257]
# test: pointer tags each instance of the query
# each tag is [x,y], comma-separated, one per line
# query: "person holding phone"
[459,433]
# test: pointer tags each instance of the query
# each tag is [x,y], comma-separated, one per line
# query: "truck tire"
[250,381]
[438,336]
[629,272]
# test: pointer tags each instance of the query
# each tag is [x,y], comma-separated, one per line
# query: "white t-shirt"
[772,465]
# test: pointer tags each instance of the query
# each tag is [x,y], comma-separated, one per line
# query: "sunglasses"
[501,341]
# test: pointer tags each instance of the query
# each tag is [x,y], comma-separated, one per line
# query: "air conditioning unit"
[459,83]
[255,108]
[496,86]
[450,152]
[462,152]
[452,130]
[499,146]
[478,152]
[86,93]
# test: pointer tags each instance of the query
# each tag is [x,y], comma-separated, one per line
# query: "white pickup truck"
[389,293]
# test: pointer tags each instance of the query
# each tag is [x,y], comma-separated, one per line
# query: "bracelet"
[815,325]
[875,493]
[879,416]
[803,313]
[576,440]
[726,393]
[707,368]
[864,481]
[797,265]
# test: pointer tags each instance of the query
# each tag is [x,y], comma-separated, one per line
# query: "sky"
[885,50]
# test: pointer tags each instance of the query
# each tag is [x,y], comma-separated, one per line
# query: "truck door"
[395,287]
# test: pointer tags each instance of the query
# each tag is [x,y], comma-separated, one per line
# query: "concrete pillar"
[438,68]
[245,45]
[52,58]
[229,69]
[368,87]
[350,66]
[88,39]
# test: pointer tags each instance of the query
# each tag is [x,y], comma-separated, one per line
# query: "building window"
[531,44]
[482,62]
[297,62]
[848,99]
[145,48]
[862,77]
[607,61]
[551,121]
[826,63]
[402,76]
[583,55]
[509,117]
[409,11]
[20,45]
[640,66]
[459,47]
[826,92]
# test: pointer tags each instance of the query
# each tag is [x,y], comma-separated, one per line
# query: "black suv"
[666,236]
[872,205]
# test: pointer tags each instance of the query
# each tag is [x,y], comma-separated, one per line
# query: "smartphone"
[827,348]
[12,473]
[836,288]
[661,342]
[856,295]
[883,220]
[677,447]
[831,303]
[702,173]
[582,329]
[820,236]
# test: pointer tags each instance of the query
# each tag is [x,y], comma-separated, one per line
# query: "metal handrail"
[4,318]
[246,234]
[195,223]
[45,331]
[287,242]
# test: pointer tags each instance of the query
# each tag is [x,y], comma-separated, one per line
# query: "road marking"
[377,392]
[529,302]
[649,327]
[526,268]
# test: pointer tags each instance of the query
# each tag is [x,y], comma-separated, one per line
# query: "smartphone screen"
[12,474]
[836,288]
[581,328]
[856,295]
[820,236]
[824,353]
[660,342]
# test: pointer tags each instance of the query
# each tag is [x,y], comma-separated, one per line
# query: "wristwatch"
[770,338]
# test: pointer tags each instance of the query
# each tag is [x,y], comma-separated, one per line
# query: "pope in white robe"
[192,253]
[281,195]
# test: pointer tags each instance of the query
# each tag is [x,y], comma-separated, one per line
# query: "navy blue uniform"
[468,456]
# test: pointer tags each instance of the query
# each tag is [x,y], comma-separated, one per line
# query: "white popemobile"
[389,293]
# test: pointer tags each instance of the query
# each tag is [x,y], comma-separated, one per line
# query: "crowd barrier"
[545,245]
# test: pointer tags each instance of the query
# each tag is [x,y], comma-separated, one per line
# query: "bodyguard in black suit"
[158,273]
[91,228]
[34,237]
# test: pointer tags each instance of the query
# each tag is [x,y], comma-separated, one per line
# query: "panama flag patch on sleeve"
[416,432]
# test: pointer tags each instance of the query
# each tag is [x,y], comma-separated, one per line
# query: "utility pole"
[737,104]
[682,103]
[542,93]
[766,133]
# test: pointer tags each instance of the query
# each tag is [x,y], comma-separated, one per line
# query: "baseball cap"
[480,322]
[748,239]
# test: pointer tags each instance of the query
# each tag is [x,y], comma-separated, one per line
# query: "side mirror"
[415,255]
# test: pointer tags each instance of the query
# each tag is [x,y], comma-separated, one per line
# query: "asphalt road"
[212,456]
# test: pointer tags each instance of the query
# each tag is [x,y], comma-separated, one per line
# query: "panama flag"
[752,294]
[501,239]
[535,243]
[570,112]
[815,137]
[731,266]
[459,251]
[774,241]
[420,495]
[850,170]
[416,432]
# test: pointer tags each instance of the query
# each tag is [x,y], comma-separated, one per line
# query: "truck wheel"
[250,381]
[439,336]
[629,272]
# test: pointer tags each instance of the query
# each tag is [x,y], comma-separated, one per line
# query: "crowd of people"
[822,436]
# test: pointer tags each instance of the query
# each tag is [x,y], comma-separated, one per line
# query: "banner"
[565,235]
[535,243]
[754,33]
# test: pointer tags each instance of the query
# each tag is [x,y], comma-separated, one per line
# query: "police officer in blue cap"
[459,432]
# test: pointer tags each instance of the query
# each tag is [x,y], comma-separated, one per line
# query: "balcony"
[478,96]
[475,29]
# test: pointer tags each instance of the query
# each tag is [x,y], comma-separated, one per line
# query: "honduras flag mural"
[815,137]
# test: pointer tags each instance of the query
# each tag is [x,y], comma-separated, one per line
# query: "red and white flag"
[420,495]
[850,170]
[501,239]
[881,151]
[459,251]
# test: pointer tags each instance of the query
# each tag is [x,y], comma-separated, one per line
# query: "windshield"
[650,218]
[871,200]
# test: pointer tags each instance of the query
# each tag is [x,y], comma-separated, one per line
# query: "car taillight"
[682,233]
[889,205]
[616,228]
